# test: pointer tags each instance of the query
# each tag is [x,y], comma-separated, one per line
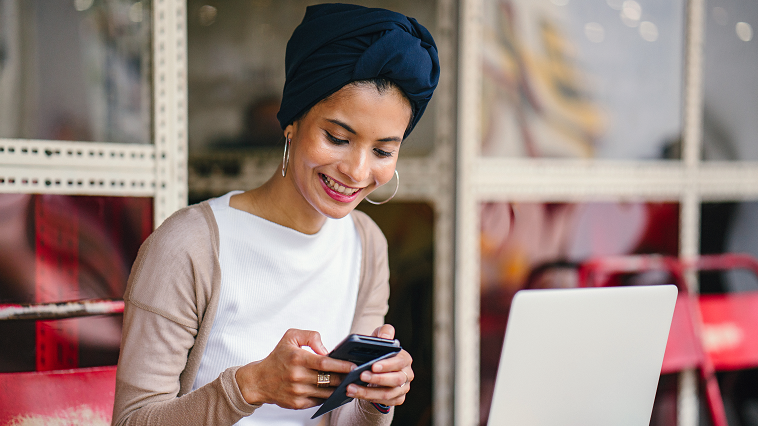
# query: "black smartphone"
[339,396]
[360,349]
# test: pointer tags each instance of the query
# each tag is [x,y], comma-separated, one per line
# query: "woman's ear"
[290,130]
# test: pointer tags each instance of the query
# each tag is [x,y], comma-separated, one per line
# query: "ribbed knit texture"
[275,278]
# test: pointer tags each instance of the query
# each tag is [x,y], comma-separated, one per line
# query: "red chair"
[78,396]
[71,396]
[730,321]
[727,324]
[695,317]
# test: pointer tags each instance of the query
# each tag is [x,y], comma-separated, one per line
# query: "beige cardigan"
[171,300]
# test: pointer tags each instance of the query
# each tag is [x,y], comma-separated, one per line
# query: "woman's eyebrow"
[390,139]
[343,125]
[350,129]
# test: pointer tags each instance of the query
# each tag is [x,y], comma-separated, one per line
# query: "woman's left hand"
[389,380]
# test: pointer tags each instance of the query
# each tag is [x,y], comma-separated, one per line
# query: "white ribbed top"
[274,278]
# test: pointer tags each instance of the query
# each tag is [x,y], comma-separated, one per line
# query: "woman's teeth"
[337,187]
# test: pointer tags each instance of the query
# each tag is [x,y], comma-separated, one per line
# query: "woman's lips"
[338,191]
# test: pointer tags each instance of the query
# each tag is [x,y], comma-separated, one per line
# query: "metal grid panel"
[575,180]
[60,154]
[689,234]
[562,180]
[111,169]
[466,313]
[170,100]
[717,181]
[442,174]
[56,262]
[86,168]
[45,180]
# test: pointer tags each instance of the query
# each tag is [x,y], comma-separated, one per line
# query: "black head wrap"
[340,43]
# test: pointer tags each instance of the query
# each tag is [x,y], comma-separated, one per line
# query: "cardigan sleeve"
[374,293]
[371,308]
[168,294]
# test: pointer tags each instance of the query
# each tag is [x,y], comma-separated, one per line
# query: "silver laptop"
[582,357]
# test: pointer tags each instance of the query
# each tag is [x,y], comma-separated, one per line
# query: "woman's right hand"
[287,377]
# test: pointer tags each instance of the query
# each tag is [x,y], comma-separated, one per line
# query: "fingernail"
[378,368]
[365,376]
[350,391]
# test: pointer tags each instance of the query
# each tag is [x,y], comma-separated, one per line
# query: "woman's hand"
[389,380]
[287,377]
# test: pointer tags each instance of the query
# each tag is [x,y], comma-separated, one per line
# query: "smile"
[334,186]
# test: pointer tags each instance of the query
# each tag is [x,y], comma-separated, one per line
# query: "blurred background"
[562,132]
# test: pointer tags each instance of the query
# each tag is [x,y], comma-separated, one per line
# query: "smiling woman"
[341,150]
[225,294]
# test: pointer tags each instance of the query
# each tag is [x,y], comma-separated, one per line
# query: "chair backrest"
[684,349]
[730,330]
[729,321]
[66,397]
[78,396]
[712,332]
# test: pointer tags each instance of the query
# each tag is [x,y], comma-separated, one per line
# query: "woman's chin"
[338,212]
[336,209]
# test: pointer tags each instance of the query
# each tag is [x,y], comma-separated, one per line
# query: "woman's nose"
[356,166]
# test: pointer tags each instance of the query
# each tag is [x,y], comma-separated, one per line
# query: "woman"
[224,294]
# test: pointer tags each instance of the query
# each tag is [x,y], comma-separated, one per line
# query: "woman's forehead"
[356,107]
[367,90]
[354,96]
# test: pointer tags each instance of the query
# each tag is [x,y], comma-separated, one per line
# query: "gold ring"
[407,379]
[323,379]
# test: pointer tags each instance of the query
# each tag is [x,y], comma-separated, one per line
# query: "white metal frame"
[170,115]
[115,169]
[688,182]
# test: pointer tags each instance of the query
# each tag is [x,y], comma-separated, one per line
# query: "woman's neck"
[278,201]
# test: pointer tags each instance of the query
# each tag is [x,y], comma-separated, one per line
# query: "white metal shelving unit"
[158,170]
[688,181]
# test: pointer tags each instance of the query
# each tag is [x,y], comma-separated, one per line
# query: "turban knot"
[340,43]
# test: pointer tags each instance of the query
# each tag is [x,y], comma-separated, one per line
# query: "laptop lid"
[584,357]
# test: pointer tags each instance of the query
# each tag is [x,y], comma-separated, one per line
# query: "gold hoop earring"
[397,186]
[286,157]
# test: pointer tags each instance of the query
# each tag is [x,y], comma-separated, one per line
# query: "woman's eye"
[334,140]
[382,153]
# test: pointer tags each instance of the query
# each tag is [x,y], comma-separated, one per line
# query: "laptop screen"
[582,357]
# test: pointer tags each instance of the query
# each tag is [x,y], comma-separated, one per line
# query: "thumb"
[386,332]
[308,338]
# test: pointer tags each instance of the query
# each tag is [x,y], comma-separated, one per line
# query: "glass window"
[535,245]
[75,70]
[236,71]
[56,248]
[729,228]
[730,103]
[589,79]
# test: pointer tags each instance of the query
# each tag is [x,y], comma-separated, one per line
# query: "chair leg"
[714,399]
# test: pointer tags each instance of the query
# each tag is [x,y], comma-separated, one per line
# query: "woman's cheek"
[387,173]
[325,151]
[316,153]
